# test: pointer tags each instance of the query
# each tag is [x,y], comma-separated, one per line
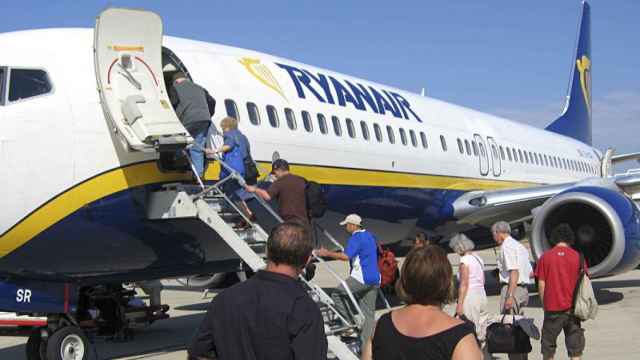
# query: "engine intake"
[606,224]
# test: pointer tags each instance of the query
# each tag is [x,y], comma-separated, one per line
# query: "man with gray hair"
[514,271]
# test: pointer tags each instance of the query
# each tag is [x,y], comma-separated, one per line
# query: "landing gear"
[68,343]
[65,343]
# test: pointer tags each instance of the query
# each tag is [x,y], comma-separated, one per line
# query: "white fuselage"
[52,143]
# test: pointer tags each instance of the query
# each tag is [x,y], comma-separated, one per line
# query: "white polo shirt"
[514,256]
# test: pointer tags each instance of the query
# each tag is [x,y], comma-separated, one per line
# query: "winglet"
[575,120]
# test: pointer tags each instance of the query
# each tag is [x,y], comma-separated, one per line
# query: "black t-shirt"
[268,317]
[389,344]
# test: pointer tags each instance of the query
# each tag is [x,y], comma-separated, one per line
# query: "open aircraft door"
[128,65]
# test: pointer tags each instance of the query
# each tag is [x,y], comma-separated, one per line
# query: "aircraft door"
[128,66]
[482,155]
[495,157]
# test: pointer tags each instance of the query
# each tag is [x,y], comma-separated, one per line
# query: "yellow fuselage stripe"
[146,173]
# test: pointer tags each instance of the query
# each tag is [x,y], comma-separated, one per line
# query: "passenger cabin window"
[475,148]
[3,76]
[467,146]
[502,153]
[460,146]
[254,115]
[351,129]
[291,118]
[414,139]
[509,154]
[322,123]
[378,132]
[443,142]
[403,136]
[520,156]
[423,138]
[232,109]
[337,129]
[365,130]
[272,114]
[28,83]
[306,121]
[391,135]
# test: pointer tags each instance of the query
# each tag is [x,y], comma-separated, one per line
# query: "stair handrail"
[234,175]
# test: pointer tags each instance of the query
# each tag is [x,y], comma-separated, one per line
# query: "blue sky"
[510,58]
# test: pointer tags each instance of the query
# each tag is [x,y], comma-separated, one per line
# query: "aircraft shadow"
[169,335]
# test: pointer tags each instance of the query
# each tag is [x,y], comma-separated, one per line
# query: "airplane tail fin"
[575,120]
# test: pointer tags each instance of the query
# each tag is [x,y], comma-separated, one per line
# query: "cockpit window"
[28,83]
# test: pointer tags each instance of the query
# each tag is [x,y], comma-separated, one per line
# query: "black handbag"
[250,171]
[507,338]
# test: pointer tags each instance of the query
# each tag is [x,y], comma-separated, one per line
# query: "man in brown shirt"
[288,190]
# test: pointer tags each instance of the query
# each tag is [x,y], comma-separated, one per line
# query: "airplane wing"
[602,212]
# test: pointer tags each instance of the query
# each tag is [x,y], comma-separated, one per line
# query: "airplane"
[85,121]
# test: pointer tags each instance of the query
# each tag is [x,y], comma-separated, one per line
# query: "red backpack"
[388,266]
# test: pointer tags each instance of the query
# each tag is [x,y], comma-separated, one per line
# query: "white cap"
[352,219]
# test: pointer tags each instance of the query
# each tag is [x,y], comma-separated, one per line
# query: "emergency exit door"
[496,162]
[483,156]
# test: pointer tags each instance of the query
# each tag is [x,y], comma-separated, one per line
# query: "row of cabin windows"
[524,156]
[464,146]
[321,121]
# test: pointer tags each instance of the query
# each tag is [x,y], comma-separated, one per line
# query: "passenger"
[422,240]
[514,273]
[194,107]
[288,190]
[364,279]
[234,150]
[472,298]
[269,316]
[421,329]
[557,272]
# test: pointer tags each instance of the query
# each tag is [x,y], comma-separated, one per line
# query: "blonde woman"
[234,150]
[472,298]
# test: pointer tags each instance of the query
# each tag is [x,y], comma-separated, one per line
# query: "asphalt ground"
[615,334]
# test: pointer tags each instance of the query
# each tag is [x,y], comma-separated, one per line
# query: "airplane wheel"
[68,343]
[36,349]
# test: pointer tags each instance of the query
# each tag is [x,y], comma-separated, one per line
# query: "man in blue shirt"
[364,278]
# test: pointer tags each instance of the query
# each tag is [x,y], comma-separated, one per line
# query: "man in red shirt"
[558,272]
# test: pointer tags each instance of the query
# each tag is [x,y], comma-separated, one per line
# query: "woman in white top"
[472,298]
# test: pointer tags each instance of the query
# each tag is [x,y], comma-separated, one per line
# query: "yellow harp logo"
[262,73]
[584,67]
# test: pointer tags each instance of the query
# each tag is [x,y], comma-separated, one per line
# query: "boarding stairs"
[215,209]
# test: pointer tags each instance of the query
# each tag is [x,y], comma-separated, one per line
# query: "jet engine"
[606,224]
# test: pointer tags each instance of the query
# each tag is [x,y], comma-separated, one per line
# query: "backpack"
[388,266]
[316,199]
[585,305]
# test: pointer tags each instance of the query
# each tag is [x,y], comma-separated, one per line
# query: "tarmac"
[613,335]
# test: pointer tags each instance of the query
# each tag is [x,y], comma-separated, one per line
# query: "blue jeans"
[196,152]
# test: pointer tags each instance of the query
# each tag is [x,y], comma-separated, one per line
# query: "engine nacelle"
[606,224]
